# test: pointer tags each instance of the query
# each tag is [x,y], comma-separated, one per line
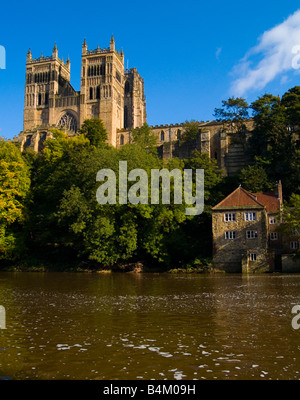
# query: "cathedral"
[115,95]
[108,91]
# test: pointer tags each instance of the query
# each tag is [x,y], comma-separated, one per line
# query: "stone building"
[115,95]
[108,91]
[245,236]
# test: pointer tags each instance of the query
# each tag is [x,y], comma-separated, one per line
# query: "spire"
[98,48]
[29,55]
[84,47]
[112,43]
[55,51]
[68,63]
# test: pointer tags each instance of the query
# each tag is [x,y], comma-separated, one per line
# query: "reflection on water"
[148,326]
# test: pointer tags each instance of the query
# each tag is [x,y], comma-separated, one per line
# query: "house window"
[273,236]
[294,245]
[251,234]
[250,216]
[230,234]
[229,217]
[272,220]
[253,257]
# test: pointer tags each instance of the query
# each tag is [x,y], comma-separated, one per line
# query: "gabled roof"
[269,200]
[239,198]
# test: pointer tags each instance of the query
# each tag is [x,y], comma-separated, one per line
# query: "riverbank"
[198,266]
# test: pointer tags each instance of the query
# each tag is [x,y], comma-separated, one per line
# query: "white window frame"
[229,217]
[230,235]
[250,216]
[253,256]
[273,236]
[294,245]
[272,220]
[251,234]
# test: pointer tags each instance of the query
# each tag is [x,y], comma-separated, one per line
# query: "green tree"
[14,192]
[255,179]
[233,113]
[94,130]
[291,220]
[145,138]
[191,130]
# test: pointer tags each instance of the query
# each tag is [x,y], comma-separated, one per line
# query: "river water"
[149,326]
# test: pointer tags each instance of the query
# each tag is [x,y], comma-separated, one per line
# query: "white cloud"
[274,49]
[218,52]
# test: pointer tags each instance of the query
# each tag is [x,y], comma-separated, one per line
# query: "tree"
[291,220]
[235,109]
[273,142]
[191,130]
[145,138]
[94,130]
[255,179]
[14,192]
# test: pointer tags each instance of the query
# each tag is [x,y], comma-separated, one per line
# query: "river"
[148,326]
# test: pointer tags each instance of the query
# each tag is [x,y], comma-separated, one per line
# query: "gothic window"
[178,135]
[162,136]
[68,122]
[121,140]
[98,93]
[102,69]
[125,117]
[91,93]
[39,99]
[46,98]
[42,138]
[27,141]
[127,87]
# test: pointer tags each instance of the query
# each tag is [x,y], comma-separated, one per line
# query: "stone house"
[245,236]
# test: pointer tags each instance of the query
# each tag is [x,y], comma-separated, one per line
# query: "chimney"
[279,192]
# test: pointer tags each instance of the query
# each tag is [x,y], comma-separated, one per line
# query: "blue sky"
[191,54]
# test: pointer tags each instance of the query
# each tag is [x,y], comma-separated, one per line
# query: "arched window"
[127,87]
[42,138]
[68,122]
[98,93]
[178,134]
[91,93]
[46,98]
[27,141]
[125,117]
[121,140]
[162,136]
[39,99]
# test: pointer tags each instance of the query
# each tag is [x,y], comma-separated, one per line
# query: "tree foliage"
[14,192]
